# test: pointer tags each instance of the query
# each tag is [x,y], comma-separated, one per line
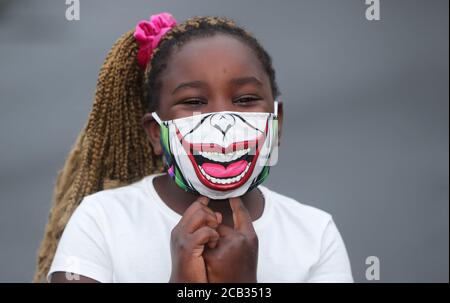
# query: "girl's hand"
[196,228]
[235,258]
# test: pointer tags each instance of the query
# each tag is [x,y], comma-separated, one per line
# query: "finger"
[241,217]
[196,207]
[219,217]
[213,242]
[203,200]
[224,230]
[197,204]
[205,235]
[201,217]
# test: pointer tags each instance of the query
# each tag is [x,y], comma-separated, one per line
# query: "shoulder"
[296,213]
[124,194]
[312,236]
[117,201]
[294,207]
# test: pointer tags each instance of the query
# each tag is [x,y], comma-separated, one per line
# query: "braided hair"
[112,149]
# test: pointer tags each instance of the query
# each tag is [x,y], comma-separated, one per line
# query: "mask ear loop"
[156,117]
[275,110]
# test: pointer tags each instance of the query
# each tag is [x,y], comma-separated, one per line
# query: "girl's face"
[211,74]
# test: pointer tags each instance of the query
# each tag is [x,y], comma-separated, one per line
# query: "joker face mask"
[221,154]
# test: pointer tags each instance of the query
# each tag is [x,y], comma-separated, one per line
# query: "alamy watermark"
[73,10]
[373,270]
[373,10]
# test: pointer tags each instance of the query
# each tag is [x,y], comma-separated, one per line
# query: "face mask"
[221,154]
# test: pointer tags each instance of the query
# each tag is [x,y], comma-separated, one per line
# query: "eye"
[193,102]
[246,100]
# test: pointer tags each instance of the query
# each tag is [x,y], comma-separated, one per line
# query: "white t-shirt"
[123,235]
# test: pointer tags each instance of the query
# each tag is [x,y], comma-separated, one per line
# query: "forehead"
[210,57]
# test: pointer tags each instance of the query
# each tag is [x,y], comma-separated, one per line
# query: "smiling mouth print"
[224,168]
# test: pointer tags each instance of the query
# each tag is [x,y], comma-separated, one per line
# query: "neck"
[179,200]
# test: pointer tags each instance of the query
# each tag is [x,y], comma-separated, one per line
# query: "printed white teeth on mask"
[220,157]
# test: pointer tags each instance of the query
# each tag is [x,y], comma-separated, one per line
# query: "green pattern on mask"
[265,172]
[178,176]
[261,177]
[165,136]
[275,127]
[179,180]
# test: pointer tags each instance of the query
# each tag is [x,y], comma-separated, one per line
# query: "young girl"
[200,99]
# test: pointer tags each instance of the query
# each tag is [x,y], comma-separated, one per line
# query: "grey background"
[365,133]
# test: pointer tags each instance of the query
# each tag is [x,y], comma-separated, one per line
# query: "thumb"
[241,217]
[203,200]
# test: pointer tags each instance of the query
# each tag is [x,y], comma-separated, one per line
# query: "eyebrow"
[193,84]
[235,81]
[246,80]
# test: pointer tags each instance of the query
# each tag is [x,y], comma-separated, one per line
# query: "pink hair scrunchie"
[149,33]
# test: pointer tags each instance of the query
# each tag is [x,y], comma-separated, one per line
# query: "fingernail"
[219,217]
[204,200]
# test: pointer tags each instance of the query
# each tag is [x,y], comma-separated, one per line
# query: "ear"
[152,130]
[280,120]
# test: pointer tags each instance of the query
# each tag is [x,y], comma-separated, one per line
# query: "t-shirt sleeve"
[333,265]
[82,248]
